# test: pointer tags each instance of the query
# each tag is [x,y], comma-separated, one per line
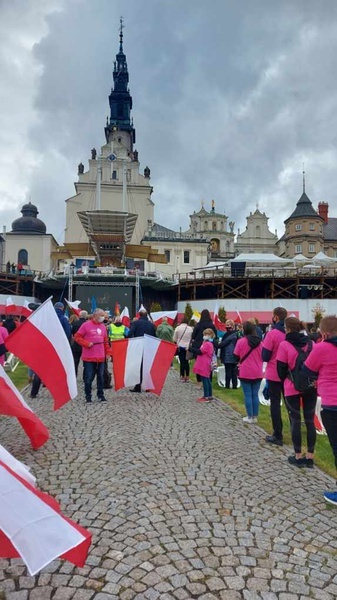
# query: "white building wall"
[39,248]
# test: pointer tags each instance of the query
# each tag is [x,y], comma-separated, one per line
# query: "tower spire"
[121,27]
[303,180]
[120,99]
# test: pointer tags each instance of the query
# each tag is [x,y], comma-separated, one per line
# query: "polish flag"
[12,404]
[26,311]
[74,306]
[18,467]
[126,361]
[33,528]
[238,318]
[125,315]
[40,342]
[117,309]
[219,325]
[142,307]
[10,306]
[157,317]
[157,359]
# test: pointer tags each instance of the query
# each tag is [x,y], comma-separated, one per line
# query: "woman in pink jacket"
[202,365]
[248,350]
[287,354]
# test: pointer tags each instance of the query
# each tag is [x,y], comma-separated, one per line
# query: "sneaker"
[203,399]
[33,395]
[271,439]
[136,390]
[187,379]
[248,420]
[88,400]
[330,497]
[310,463]
[297,462]
[254,419]
[102,399]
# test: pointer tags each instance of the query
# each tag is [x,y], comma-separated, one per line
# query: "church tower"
[112,184]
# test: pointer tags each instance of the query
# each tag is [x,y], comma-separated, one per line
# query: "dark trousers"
[275,393]
[293,404]
[329,420]
[231,374]
[35,385]
[92,369]
[184,364]
[77,358]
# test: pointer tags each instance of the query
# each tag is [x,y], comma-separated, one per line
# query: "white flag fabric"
[126,361]
[18,467]
[32,527]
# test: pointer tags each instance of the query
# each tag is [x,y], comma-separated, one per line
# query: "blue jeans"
[90,370]
[207,385]
[251,394]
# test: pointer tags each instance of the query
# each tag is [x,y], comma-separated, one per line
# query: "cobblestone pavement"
[184,500]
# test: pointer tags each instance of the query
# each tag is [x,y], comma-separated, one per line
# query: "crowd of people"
[296,365]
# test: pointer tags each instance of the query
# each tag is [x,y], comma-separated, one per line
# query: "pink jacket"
[271,342]
[323,360]
[251,367]
[287,354]
[95,333]
[202,365]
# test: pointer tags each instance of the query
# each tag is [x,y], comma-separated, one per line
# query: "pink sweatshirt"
[251,367]
[271,342]
[96,333]
[323,360]
[287,354]
[202,365]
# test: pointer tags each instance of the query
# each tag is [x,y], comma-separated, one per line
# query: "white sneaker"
[254,419]
[248,420]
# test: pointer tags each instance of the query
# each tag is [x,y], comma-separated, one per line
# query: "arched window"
[214,225]
[206,224]
[23,256]
[258,231]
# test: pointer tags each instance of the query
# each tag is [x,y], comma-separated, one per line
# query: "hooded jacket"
[270,346]
[227,346]
[322,361]
[286,357]
[251,365]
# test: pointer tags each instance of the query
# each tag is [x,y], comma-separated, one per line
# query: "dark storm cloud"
[230,98]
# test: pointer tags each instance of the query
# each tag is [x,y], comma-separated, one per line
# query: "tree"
[155,307]
[318,314]
[188,312]
[222,314]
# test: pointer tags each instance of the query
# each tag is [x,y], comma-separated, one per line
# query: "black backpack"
[302,382]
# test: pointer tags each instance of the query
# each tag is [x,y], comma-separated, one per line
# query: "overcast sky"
[230,98]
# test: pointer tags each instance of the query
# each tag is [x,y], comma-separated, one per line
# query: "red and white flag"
[12,404]
[40,342]
[125,316]
[157,317]
[12,308]
[18,467]
[217,323]
[142,307]
[157,358]
[74,306]
[238,318]
[32,527]
[126,361]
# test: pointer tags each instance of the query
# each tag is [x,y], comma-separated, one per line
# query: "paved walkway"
[183,500]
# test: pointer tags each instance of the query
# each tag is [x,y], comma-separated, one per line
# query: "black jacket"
[76,348]
[197,335]
[141,326]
